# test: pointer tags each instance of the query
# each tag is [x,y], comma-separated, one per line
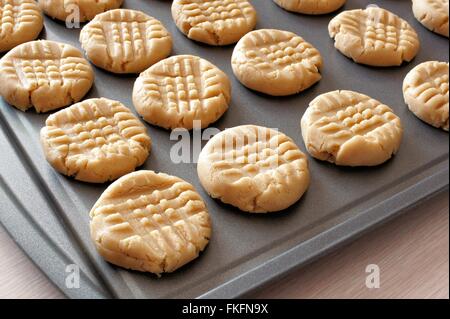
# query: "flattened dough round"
[425,90]
[96,141]
[88,9]
[214,22]
[433,14]
[125,41]
[276,62]
[150,222]
[351,129]
[311,6]
[374,36]
[254,168]
[180,90]
[45,75]
[20,21]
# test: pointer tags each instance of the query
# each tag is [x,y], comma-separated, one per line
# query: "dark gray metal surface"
[47,214]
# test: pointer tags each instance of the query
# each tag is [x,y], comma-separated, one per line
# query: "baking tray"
[47,214]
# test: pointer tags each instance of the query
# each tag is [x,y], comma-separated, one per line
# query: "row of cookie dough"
[88,139]
[274,62]
[270,61]
[173,93]
[179,90]
[433,14]
[212,22]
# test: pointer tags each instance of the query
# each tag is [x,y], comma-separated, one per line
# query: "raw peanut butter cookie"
[351,129]
[20,21]
[181,89]
[276,62]
[45,75]
[374,36]
[125,41]
[84,10]
[433,14]
[254,168]
[425,90]
[95,141]
[214,22]
[150,222]
[311,6]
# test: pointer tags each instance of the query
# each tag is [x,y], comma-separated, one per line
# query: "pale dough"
[181,89]
[425,90]
[20,21]
[433,14]
[214,22]
[351,129]
[254,168]
[88,9]
[150,222]
[311,6]
[125,41]
[45,75]
[276,62]
[96,141]
[374,36]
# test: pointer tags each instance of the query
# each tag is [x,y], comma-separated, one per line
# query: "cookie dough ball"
[214,22]
[150,222]
[310,6]
[351,129]
[425,90]
[20,21]
[96,141]
[374,36]
[85,10]
[180,90]
[433,14]
[276,62]
[45,75]
[254,168]
[125,41]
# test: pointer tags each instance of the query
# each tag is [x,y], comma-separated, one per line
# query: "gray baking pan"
[47,214]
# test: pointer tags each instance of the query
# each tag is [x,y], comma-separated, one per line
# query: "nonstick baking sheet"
[48,214]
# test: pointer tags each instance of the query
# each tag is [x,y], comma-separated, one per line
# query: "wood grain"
[412,252]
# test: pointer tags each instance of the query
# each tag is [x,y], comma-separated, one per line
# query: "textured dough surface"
[97,140]
[181,89]
[214,22]
[88,9]
[20,21]
[311,6]
[351,129]
[45,75]
[276,62]
[125,41]
[425,90]
[374,36]
[254,168]
[433,14]
[150,222]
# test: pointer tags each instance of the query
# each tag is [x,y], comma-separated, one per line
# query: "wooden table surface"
[411,251]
